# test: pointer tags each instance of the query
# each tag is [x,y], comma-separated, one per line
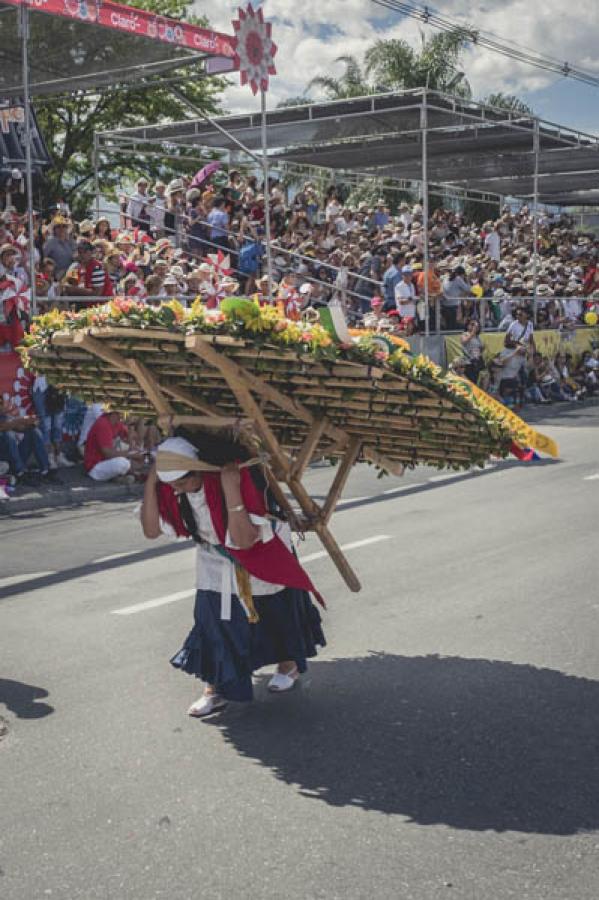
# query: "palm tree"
[353,82]
[508,102]
[294,101]
[398,66]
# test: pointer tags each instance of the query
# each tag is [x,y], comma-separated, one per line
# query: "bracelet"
[236,508]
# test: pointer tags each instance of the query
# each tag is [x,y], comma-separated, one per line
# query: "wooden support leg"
[150,387]
[341,476]
[234,376]
[308,447]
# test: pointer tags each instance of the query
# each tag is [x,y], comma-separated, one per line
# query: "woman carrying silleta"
[252,606]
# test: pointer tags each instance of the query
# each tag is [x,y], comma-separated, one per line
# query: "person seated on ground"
[107,454]
[587,372]
[142,435]
[49,405]
[548,378]
[459,367]
[534,391]
[21,438]
[562,362]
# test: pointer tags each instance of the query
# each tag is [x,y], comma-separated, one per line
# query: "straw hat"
[175,186]
[86,226]
[8,248]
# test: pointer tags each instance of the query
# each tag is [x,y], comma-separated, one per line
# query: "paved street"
[444,745]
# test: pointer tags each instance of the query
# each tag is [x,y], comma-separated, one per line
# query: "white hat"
[183,448]
[175,186]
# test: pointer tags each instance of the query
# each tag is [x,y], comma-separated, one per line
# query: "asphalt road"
[444,745]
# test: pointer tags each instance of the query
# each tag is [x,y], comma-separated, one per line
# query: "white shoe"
[283,682]
[52,460]
[62,460]
[206,705]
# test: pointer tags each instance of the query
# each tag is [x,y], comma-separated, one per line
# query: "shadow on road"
[22,699]
[470,743]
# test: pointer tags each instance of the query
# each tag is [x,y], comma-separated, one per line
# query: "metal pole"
[535,219]
[266,195]
[199,112]
[424,137]
[96,162]
[24,31]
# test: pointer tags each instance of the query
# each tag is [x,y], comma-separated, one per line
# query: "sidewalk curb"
[69,498]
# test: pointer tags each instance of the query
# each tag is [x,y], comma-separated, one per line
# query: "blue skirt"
[225,653]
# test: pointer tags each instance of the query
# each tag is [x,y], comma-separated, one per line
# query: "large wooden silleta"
[287,385]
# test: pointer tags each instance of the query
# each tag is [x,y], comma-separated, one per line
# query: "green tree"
[293,101]
[68,121]
[509,102]
[352,83]
[397,65]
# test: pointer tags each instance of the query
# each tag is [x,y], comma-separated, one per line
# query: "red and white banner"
[137,21]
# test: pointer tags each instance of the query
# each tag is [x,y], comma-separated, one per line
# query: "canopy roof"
[68,53]
[469,144]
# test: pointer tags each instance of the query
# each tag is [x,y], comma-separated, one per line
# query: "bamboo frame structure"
[298,409]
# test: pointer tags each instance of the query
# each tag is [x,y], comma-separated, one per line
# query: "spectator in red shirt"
[104,457]
[94,280]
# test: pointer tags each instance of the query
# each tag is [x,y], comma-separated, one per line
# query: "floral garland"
[246,319]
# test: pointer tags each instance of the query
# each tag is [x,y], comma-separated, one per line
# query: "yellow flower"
[177,308]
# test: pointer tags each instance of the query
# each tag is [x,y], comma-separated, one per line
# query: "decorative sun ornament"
[254,48]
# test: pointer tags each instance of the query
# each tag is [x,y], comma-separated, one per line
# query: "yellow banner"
[522,433]
[547,342]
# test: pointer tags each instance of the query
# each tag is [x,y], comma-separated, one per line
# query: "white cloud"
[311,34]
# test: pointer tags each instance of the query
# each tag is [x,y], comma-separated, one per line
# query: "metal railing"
[330,288]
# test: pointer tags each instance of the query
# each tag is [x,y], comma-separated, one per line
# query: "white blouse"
[215,572]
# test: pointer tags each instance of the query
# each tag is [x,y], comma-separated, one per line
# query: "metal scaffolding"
[419,135]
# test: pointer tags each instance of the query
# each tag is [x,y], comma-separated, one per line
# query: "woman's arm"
[150,517]
[242,532]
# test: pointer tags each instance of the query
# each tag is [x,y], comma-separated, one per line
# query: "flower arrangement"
[266,326]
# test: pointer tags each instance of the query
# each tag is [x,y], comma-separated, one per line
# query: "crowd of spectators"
[189,240]
[519,373]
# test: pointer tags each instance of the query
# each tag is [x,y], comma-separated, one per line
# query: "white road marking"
[447,476]
[17,579]
[103,559]
[404,487]
[352,500]
[591,477]
[364,543]
[151,604]
[183,595]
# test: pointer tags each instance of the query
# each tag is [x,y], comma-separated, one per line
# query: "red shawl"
[270,561]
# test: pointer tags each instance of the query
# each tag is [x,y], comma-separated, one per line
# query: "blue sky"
[311,34]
